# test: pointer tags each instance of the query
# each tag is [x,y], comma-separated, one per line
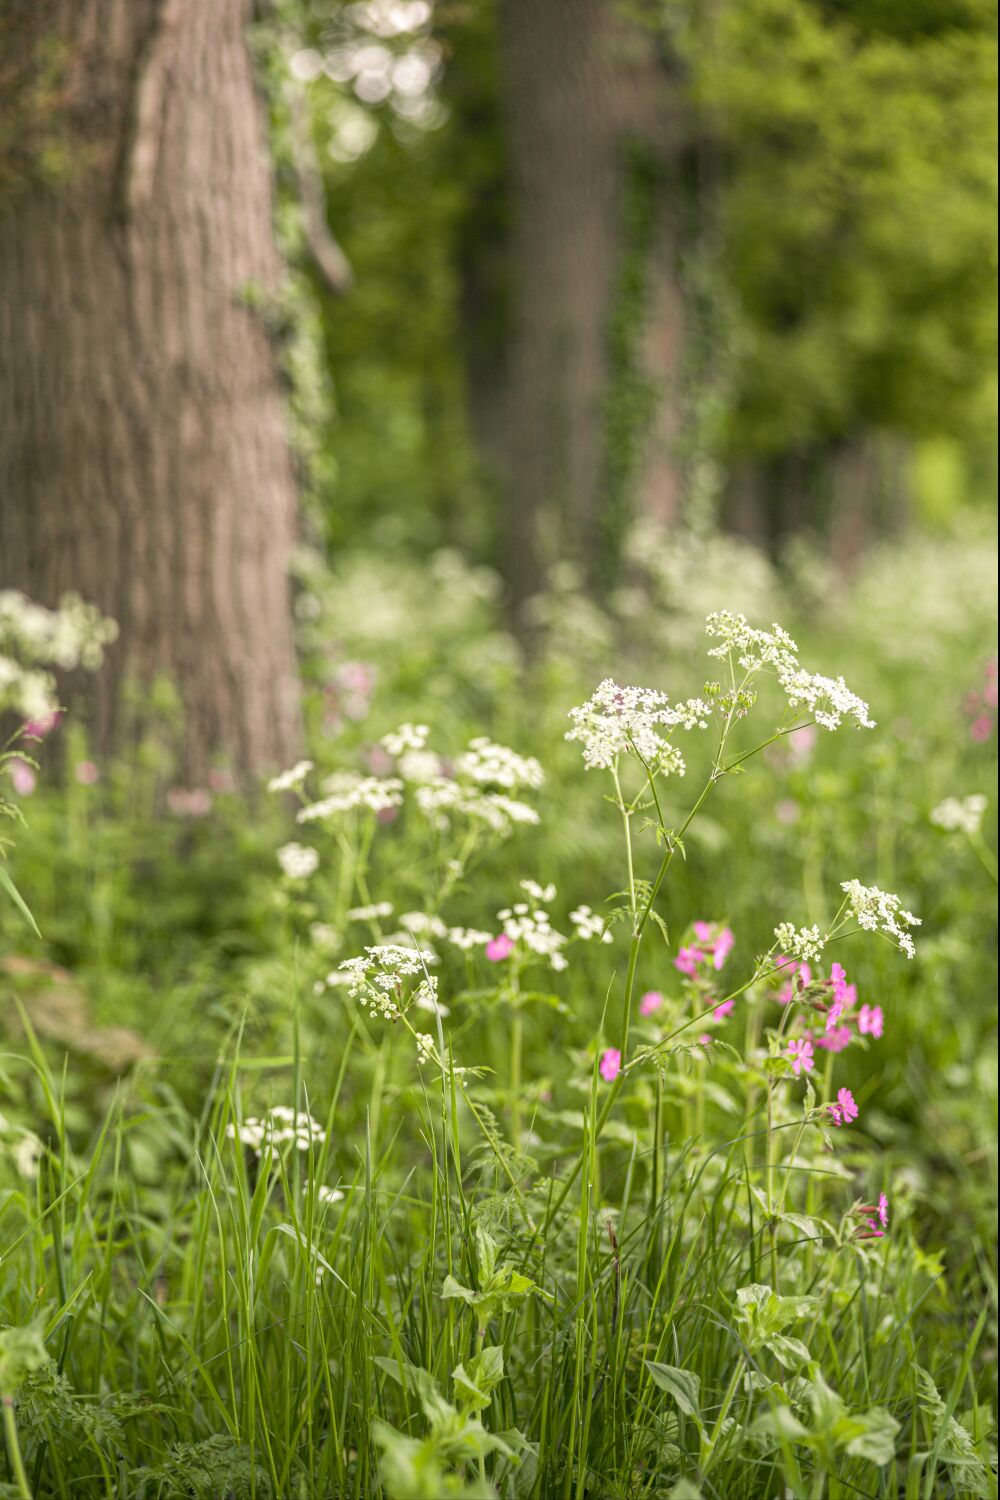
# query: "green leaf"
[683,1385]
[18,900]
[22,1352]
[787,1351]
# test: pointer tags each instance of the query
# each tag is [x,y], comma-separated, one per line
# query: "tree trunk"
[580,82]
[144,458]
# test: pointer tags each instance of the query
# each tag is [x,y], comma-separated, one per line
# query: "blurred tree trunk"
[581,83]
[145,462]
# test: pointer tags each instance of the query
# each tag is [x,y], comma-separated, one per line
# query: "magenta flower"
[86,773]
[981,729]
[835,1040]
[791,967]
[845,1110]
[723,947]
[38,728]
[22,778]
[688,960]
[800,1051]
[834,1014]
[610,1065]
[499,948]
[883,1210]
[870,1020]
[703,931]
[650,1002]
[722,1011]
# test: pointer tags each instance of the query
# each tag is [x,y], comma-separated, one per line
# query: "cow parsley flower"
[489,764]
[376,912]
[347,790]
[467,938]
[279,1127]
[880,911]
[960,815]
[298,861]
[805,943]
[292,779]
[619,721]
[589,925]
[828,699]
[378,976]
[406,737]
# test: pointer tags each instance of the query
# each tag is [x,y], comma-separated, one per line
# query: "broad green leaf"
[683,1385]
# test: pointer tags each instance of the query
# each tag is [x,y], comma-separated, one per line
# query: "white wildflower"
[534,930]
[543,894]
[589,925]
[805,943]
[489,764]
[406,737]
[325,936]
[828,699]
[374,913]
[378,976]
[422,922]
[26,1154]
[419,766]
[292,779]
[880,911]
[328,1195]
[467,938]
[425,997]
[298,861]
[348,790]
[426,1050]
[280,1126]
[628,720]
[961,814]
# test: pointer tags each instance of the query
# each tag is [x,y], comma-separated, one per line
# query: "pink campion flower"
[610,1065]
[801,742]
[650,1002]
[22,778]
[800,1051]
[499,948]
[834,1014]
[835,1040]
[845,1110]
[722,1011]
[189,802]
[86,773]
[688,960]
[705,1040]
[981,729]
[723,947]
[37,729]
[703,931]
[788,811]
[883,1210]
[870,1020]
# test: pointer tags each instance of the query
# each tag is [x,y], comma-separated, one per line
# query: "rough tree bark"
[144,458]
[579,80]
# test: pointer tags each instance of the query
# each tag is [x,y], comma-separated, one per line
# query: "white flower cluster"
[374,913]
[292,779]
[347,790]
[467,938]
[298,861]
[406,737]
[441,799]
[531,925]
[378,976]
[961,814]
[33,639]
[425,997]
[421,922]
[622,720]
[805,943]
[589,925]
[828,699]
[328,1195]
[880,911]
[489,764]
[279,1127]
[419,766]
[426,1050]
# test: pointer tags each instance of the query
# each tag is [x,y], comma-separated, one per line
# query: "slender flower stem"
[14,1449]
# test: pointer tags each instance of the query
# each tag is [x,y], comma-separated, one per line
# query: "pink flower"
[22,778]
[221,780]
[788,811]
[845,1110]
[499,948]
[981,729]
[834,1014]
[835,1040]
[870,1020]
[801,1053]
[722,1011]
[703,932]
[610,1065]
[801,741]
[791,967]
[705,1040]
[650,1002]
[189,802]
[723,947]
[688,960]
[883,1210]
[86,773]
[38,728]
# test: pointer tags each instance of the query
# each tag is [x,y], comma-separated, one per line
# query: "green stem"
[708,1445]
[14,1449]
